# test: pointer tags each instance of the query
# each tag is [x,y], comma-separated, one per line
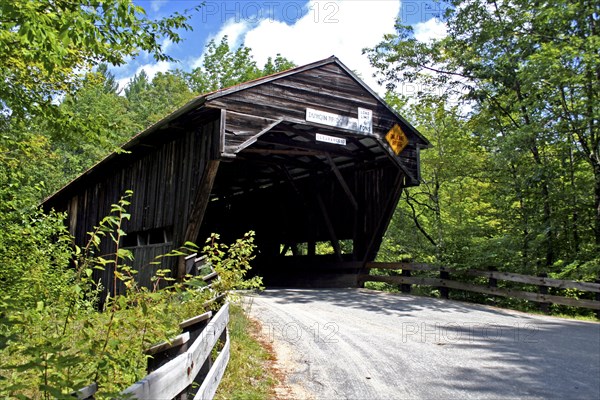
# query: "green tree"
[92,122]
[151,101]
[44,42]
[450,209]
[224,67]
[138,84]
[110,83]
[529,73]
[278,64]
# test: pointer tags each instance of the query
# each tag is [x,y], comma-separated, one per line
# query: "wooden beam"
[385,218]
[394,157]
[295,144]
[296,153]
[334,241]
[172,343]
[342,182]
[196,215]
[277,160]
[255,137]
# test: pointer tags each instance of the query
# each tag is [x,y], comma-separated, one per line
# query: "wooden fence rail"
[183,368]
[445,283]
[177,375]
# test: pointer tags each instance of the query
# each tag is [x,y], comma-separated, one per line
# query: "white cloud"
[153,69]
[340,28]
[430,30]
[328,28]
[150,69]
[155,5]
[235,32]
[166,44]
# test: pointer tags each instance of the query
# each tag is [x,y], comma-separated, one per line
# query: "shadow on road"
[380,302]
[445,348]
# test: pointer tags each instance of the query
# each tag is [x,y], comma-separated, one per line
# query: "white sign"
[331,139]
[331,119]
[365,120]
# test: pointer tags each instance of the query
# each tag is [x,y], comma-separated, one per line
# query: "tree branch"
[416,221]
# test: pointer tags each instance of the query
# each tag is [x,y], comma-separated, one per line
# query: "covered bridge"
[311,159]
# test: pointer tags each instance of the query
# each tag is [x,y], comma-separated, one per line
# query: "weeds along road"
[361,344]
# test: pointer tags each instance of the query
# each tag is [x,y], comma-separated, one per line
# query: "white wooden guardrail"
[178,374]
[183,367]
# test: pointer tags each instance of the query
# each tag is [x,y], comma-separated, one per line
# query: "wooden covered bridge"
[311,159]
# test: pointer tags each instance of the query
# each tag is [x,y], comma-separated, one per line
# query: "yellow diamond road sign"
[397,139]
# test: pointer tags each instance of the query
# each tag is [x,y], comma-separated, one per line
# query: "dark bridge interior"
[307,202]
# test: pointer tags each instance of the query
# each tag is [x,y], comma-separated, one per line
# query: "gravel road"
[361,344]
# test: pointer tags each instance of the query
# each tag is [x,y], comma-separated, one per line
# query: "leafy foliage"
[232,262]
[42,43]
[509,98]
[54,341]
[148,102]
[223,67]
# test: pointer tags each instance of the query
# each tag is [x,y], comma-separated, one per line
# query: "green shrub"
[53,340]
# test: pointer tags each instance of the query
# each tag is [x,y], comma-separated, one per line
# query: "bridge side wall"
[164,176]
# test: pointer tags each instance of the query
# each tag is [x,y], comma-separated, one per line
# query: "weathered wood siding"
[164,175]
[326,88]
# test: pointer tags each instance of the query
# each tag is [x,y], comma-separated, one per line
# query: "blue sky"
[302,31]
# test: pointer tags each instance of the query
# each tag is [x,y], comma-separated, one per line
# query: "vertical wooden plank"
[598,299]
[492,282]
[222,128]
[72,212]
[444,291]
[405,288]
[333,237]
[158,196]
[196,215]
[542,289]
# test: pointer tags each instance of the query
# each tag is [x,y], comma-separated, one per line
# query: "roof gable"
[328,78]
[325,86]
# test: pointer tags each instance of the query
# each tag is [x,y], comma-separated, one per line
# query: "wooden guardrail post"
[598,299]
[195,326]
[405,287]
[543,290]
[493,282]
[444,290]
